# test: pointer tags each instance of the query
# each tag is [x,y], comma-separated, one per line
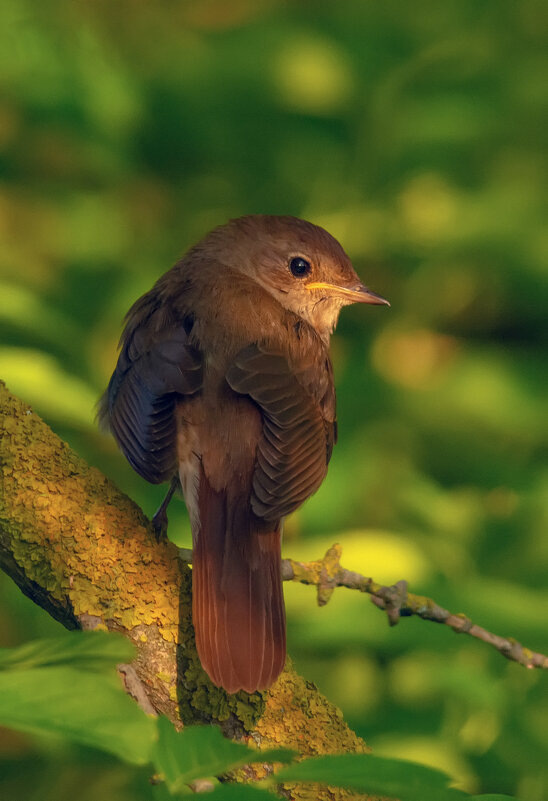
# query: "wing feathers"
[293,452]
[154,371]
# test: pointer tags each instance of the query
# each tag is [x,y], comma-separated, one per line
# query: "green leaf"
[371,774]
[241,792]
[223,792]
[90,650]
[491,797]
[201,751]
[160,792]
[85,707]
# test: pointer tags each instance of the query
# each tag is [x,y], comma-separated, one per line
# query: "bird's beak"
[358,293]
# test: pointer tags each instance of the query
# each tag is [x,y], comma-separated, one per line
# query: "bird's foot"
[159,524]
[159,521]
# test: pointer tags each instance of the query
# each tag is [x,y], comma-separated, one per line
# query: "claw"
[160,521]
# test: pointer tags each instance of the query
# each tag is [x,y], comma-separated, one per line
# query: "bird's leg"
[159,521]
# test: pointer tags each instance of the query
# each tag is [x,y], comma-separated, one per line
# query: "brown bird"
[224,383]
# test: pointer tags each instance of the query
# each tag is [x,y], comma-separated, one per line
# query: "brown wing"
[155,368]
[296,441]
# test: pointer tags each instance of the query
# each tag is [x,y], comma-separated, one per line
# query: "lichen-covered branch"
[86,553]
[327,573]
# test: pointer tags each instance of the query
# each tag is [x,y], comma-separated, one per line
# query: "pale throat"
[323,316]
[320,312]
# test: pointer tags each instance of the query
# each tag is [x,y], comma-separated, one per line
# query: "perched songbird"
[224,383]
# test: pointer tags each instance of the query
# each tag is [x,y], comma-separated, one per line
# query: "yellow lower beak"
[355,294]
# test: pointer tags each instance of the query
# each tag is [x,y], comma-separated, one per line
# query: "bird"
[224,387]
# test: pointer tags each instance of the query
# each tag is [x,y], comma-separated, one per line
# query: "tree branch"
[327,573]
[86,553]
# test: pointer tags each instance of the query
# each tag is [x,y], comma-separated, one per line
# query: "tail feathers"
[238,607]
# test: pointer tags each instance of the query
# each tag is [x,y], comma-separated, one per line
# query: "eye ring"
[299,266]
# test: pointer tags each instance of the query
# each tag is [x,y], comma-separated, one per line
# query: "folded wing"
[297,439]
[155,369]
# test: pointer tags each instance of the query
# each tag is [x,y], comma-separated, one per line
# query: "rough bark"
[86,553]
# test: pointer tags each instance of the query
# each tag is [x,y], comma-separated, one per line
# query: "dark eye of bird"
[299,266]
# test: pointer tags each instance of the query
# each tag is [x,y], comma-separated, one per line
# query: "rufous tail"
[237,606]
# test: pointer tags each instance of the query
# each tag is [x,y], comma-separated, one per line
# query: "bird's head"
[298,263]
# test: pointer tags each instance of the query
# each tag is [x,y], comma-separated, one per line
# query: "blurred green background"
[417,134]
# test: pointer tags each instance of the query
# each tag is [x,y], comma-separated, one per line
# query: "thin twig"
[326,574]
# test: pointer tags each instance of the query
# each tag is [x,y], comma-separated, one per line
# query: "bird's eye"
[299,267]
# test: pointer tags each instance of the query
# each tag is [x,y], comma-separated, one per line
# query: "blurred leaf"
[507,608]
[490,797]
[224,792]
[197,752]
[25,309]
[95,651]
[241,792]
[319,81]
[40,380]
[421,677]
[88,708]
[407,781]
